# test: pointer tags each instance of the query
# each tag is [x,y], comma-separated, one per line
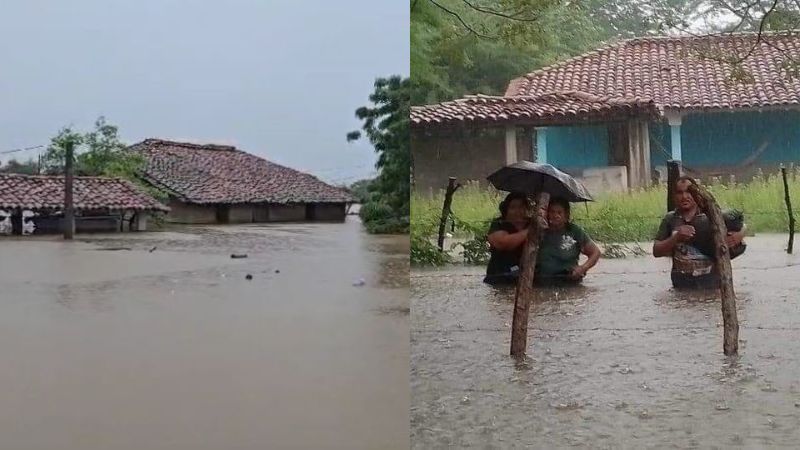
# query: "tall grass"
[613,218]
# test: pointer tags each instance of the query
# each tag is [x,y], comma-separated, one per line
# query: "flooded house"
[210,183]
[613,117]
[34,204]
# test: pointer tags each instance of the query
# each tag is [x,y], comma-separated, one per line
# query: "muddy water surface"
[622,362]
[158,341]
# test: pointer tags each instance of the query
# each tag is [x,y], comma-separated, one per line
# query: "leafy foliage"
[477,46]
[360,189]
[97,153]
[29,167]
[386,125]
[424,253]
[460,47]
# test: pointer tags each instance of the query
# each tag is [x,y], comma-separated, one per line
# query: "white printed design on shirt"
[567,242]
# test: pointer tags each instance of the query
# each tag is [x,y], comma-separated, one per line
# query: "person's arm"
[592,251]
[665,247]
[503,240]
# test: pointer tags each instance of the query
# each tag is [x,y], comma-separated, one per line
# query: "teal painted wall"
[707,139]
[577,147]
[729,138]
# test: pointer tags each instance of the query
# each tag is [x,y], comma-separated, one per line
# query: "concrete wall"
[260,213]
[191,214]
[605,179]
[287,213]
[240,214]
[250,213]
[464,154]
[326,211]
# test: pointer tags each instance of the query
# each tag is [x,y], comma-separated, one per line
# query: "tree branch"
[454,14]
[498,13]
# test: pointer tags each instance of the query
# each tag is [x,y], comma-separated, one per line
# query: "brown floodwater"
[158,340]
[622,362]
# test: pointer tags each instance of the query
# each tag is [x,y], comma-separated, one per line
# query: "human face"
[683,198]
[517,211]
[557,216]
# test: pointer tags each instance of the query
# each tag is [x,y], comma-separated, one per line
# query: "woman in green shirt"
[561,247]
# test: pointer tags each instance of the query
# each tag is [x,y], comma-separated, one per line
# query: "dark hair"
[562,202]
[681,180]
[510,198]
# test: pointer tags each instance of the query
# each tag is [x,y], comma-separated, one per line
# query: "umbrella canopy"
[532,178]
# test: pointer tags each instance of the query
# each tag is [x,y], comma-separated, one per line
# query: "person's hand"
[684,233]
[734,238]
[577,273]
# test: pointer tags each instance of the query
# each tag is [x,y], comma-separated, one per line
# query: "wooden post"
[673,173]
[524,296]
[69,213]
[789,208]
[707,204]
[448,199]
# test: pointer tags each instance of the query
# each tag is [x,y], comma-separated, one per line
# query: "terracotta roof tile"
[553,107]
[673,72]
[47,192]
[223,174]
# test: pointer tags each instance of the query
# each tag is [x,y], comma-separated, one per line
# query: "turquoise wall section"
[577,147]
[707,139]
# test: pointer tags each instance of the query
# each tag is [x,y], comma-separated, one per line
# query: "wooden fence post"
[707,204]
[673,173]
[524,295]
[69,213]
[789,208]
[448,199]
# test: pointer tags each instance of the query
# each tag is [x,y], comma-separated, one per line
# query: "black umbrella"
[532,178]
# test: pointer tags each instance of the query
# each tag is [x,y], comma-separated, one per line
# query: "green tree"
[360,189]
[97,153]
[386,125]
[460,47]
[29,167]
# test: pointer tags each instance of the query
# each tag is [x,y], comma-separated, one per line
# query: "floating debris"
[248,277]
[465,400]
[238,256]
[722,407]
[359,282]
[277,271]
[153,249]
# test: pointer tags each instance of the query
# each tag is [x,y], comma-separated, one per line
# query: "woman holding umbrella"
[562,243]
[559,251]
[507,236]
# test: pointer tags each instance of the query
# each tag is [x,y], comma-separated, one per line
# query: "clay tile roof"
[550,108]
[47,192]
[676,72]
[207,173]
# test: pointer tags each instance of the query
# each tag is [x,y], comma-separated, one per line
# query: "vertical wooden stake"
[789,208]
[69,213]
[673,173]
[524,296]
[448,199]
[707,204]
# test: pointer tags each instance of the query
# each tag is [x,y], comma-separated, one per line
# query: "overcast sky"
[280,79]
